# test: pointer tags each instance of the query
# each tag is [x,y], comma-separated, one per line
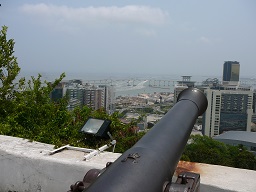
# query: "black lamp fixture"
[97,127]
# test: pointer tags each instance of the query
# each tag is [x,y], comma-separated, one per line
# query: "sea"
[132,84]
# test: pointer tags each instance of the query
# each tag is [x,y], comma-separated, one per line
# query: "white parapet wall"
[27,167]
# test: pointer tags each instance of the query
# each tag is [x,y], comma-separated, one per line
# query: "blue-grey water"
[132,85]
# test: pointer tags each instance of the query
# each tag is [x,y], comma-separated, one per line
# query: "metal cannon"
[149,165]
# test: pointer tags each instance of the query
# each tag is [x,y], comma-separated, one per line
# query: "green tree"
[9,70]
[26,107]
[34,109]
[203,149]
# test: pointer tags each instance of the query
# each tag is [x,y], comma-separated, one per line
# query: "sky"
[134,37]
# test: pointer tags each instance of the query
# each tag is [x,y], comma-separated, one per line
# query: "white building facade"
[227,110]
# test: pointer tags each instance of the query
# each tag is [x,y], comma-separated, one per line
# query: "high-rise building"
[75,95]
[108,98]
[227,110]
[73,103]
[254,107]
[231,71]
[94,98]
[58,92]
[99,97]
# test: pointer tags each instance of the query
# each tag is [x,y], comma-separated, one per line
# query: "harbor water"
[132,85]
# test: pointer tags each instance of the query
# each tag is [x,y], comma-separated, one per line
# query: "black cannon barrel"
[151,162]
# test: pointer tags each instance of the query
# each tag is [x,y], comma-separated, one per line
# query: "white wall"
[27,167]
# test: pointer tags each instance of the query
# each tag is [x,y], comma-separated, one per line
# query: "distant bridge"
[161,83]
[155,83]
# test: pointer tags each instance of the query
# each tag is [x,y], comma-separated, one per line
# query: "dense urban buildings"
[231,106]
[95,97]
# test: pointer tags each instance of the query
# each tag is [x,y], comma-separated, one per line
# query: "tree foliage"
[204,149]
[9,70]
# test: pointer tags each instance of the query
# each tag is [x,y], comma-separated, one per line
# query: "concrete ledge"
[27,166]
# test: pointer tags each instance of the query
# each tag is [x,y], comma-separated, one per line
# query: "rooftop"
[245,136]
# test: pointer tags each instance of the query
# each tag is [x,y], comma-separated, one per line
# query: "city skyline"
[135,37]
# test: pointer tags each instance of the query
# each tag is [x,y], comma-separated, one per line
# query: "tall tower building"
[108,98]
[231,71]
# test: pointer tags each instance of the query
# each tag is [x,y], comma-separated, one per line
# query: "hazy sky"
[142,37]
